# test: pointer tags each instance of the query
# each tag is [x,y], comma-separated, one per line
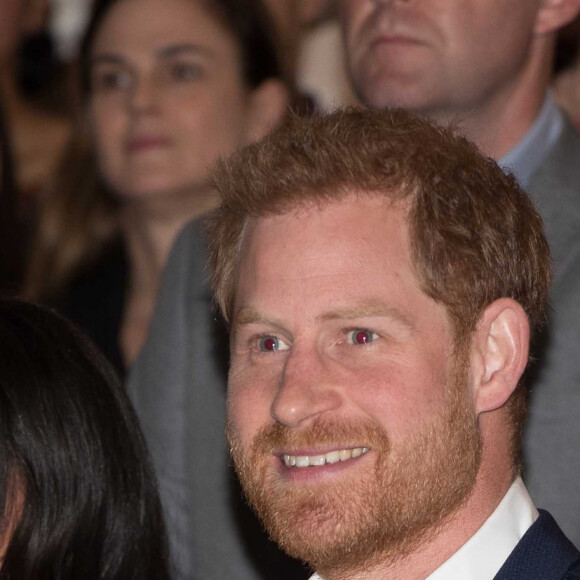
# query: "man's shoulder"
[190,244]
[555,190]
[573,572]
[544,552]
[561,167]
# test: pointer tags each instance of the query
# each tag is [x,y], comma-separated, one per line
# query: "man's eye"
[271,344]
[360,336]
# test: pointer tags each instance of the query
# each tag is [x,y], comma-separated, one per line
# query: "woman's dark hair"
[77,490]
[248,21]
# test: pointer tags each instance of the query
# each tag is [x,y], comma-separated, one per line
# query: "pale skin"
[482,64]
[314,304]
[168,99]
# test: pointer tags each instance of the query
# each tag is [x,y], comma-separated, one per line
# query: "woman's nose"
[144,96]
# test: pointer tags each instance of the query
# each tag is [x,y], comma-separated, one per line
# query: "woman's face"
[167,96]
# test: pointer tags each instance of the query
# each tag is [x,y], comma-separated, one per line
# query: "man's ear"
[499,353]
[555,14]
[269,104]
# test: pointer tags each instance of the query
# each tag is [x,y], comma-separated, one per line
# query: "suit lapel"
[543,553]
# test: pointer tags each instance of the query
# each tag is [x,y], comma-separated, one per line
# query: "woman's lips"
[147,143]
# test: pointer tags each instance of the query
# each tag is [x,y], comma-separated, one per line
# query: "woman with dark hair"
[167,88]
[77,491]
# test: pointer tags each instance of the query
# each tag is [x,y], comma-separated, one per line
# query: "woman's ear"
[268,106]
[499,353]
[555,14]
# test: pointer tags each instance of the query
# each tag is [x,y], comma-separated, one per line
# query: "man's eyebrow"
[369,308]
[252,316]
[366,309]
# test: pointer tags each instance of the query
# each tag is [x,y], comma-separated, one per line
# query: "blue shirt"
[527,156]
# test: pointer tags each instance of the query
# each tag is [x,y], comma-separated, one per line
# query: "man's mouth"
[318,460]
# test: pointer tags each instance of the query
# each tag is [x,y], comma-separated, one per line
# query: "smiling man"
[485,66]
[382,280]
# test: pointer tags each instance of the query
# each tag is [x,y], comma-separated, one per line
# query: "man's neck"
[484,553]
[497,123]
[496,130]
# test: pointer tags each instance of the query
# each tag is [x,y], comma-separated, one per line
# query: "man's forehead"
[354,225]
[342,253]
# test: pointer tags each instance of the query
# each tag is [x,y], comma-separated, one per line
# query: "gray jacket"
[178,388]
[552,441]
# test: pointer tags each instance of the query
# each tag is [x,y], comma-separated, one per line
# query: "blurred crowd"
[89,238]
[79,235]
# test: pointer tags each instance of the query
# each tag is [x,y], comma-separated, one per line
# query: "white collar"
[481,557]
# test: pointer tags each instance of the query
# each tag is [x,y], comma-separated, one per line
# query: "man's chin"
[343,529]
[319,527]
[374,513]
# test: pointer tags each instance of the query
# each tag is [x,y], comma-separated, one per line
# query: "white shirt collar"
[481,557]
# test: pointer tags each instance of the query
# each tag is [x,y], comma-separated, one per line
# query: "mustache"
[320,432]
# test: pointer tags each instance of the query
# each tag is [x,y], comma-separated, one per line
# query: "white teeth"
[331,457]
[317,460]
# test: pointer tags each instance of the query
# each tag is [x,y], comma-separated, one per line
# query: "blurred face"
[285,16]
[437,55]
[167,97]
[349,419]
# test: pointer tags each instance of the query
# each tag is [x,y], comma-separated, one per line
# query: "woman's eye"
[271,344]
[111,80]
[185,72]
[361,336]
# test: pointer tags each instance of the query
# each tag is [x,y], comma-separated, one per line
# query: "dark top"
[95,300]
[14,229]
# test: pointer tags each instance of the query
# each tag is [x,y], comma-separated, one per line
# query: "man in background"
[485,66]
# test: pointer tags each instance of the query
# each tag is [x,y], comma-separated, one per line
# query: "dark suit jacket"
[544,553]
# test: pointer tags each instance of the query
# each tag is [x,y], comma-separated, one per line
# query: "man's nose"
[306,390]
